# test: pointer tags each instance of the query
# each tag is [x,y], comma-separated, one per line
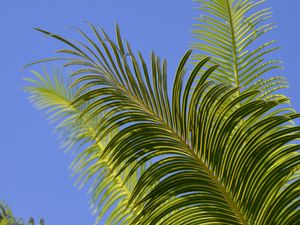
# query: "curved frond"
[214,161]
[110,192]
[230,31]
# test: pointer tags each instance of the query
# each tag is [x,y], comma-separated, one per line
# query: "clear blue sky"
[34,176]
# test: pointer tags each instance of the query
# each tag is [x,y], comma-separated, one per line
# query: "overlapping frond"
[110,193]
[230,31]
[214,161]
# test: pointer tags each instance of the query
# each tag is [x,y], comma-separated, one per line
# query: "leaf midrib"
[232,204]
[234,47]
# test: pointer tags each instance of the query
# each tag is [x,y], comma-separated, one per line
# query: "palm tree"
[208,152]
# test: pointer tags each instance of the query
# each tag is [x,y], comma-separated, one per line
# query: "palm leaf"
[110,193]
[231,31]
[215,161]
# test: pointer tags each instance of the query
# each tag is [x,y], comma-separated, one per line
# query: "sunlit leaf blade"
[232,31]
[110,193]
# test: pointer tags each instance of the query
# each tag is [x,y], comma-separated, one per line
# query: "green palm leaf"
[230,31]
[214,161]
[110,193]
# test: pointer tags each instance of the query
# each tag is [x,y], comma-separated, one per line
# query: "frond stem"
[234,48]
[118,179]
[190,151]
[105,160]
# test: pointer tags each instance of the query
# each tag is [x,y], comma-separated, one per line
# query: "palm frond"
[110,193]
[230,31]
[215,161]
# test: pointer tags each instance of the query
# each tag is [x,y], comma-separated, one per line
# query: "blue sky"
[35,180]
